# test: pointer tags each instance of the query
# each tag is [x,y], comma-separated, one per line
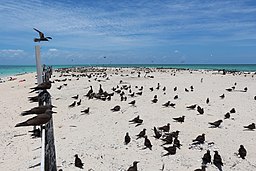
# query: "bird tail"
[25,113]
[21,124]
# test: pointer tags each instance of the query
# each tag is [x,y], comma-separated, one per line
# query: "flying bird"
[41,35]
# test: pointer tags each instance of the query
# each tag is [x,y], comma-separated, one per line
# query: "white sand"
[98,137]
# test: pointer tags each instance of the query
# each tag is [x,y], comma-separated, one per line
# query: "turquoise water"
[8,70]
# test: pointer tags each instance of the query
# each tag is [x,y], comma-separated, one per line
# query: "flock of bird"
[170,139]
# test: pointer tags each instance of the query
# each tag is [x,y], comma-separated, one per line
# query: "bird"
[175,88]
[37,120]
[147,143]
[41,35]
[157,133]
[168,139]
[191,107]
[199,139]
[207,157]
[227,115]
[254,97]
[222,96]
[132,102]
[73,104]
[166,104]
[127,139]
[42,86]
[154,100]
[229,89]
[176,142]
[170,150]
[37,110]
[116,108]
[207,100]
[233,110]
[216,123]
[217,161]
[176,97]
[78,162]
[245,89]
[75,97]
[89,92]
[242,152]
[86,111]
[251,126]
[179,119]
[141,134]
[165,128]
[133,167]
[200,110]
[79,102]
[186,90]
[172,105]
[151,88]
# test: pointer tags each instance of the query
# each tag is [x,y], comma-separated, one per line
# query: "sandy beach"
[98,137]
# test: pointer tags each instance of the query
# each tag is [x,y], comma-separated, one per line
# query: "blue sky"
[132,31]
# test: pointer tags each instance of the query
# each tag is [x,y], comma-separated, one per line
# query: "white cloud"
[53,50]
[10,53]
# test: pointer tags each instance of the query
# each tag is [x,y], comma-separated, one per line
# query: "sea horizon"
[12,70]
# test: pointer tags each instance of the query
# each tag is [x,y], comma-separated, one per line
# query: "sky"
[129,31]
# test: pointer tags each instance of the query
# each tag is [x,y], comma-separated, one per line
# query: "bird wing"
[40,33]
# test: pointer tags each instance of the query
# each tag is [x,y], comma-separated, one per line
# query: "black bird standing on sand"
[132,102]
[42,86]
[134,167]
[165,128]
[222,96]
[233,110]
[41,35]
[73,104]
[176,97]
[154,100]
[78,162]
[176,142]
[86,111]
[200,110]
[207,100]
[37,120]
[250,127]
[217,161]
[171,150]
[191,107]
[141,134]
[199,139]
[254,97]
[166,104]
[116,108]
[242,152]
[179,119]
[37,110]
[207,158]
[175,89]
[127,138]
[147,143]
[227,115]
[89,92]
[79,102]
[157,133]
[216,123]
[75,97]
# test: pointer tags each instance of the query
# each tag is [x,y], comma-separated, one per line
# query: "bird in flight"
[41,35]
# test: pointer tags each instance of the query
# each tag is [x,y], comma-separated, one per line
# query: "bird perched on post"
[78,162]
[42,86]
[41,35]
[242,152]
[37,120]
[133,167]
[37,110]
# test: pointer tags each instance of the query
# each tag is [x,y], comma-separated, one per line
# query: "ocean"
[10,70]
